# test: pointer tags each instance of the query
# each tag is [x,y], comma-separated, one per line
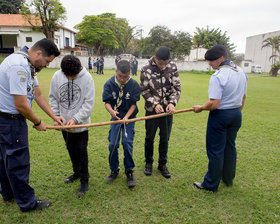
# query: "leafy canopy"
[104,32]
[208,38]
[94,31]
[10,6]
[48,15]
[179,43]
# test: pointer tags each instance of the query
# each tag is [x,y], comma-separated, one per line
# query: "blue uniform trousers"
[15,163]
[127,142]
[222,129]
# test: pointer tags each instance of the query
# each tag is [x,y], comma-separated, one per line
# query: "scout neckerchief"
[32,68]
[228,64]
[119,100]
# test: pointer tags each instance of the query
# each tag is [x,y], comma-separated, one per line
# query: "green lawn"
[254,198]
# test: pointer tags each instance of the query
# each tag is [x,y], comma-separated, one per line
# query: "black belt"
[12,116]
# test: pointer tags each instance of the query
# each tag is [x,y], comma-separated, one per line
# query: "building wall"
[35,36]
[12,29]
[17,37]
[258,55]
[196,54]
[247,66]
[61,36]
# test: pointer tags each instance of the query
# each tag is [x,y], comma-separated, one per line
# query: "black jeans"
[151,125]
[76,144]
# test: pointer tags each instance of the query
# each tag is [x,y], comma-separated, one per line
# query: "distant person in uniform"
[101,65]
[227,94]
[18,88]
[89,65]
[134,66]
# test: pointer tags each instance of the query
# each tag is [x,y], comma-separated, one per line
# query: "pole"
[118,121]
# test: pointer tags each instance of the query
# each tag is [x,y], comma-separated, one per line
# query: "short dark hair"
[70,65]
[123,66]
[216,52]
[163,53]
[47,46]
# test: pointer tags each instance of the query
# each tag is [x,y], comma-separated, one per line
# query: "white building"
[196,54]
[255,54]
[16,32]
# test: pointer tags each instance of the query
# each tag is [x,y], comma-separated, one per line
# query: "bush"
[274,69]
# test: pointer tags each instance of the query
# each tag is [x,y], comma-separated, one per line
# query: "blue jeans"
[127,142]
[15,163]
[222,129]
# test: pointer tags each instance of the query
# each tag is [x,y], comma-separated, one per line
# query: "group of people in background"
[132,62]
[96,65]
[71,98]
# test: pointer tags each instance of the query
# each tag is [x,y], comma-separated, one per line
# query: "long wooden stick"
[118,121]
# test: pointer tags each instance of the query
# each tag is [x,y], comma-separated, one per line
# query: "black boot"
[83,188]
[148,169]
[71,178]
[130,179]
[164,171]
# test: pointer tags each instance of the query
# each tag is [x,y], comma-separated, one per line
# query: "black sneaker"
[71,178]
[148,169]
[40,204]
[130,179]
[83,188]
[113,175]
[164,171]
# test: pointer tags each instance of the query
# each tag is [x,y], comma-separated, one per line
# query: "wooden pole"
[118,121]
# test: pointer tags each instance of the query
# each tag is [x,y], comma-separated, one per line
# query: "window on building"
[246,64]
[28,39]
[66,41]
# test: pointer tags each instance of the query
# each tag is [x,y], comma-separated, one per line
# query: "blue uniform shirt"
[16,79]
[228,84]
[131,94]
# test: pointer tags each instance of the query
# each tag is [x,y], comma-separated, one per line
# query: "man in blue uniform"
[18,87]
[227,94]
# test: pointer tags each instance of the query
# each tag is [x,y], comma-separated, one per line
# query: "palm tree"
[207,38]
[274,43]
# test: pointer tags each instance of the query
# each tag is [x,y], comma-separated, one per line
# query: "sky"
[238,18]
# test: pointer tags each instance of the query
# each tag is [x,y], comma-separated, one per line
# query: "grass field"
[254,197]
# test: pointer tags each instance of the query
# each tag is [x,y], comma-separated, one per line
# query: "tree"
[10,6]
[274,43]
[207,38]
[95,31]
[178,43]
[44,15]
[158,36]
[181,45]
[121,30]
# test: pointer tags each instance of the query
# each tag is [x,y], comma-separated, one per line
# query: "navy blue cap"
[216,52]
